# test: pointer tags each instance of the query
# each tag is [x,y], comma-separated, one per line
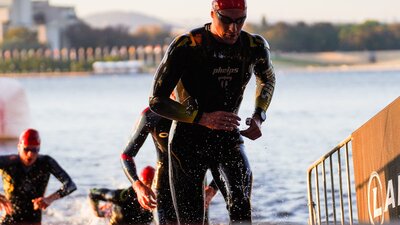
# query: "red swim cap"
[147,174]
[229,4]
[29,137]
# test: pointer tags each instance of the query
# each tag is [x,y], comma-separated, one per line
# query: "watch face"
[263,116]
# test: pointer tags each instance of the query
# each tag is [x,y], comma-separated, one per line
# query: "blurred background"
[54,36]
[81,71]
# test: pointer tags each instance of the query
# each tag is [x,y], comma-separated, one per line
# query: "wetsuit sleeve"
[132,148]
[95,196]
[103,194]
[167,77]
[68,186]
[265,75]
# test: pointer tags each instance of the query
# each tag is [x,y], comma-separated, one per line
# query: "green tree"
[20,38]
[322,37]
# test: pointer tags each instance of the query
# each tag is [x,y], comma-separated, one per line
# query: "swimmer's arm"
[44,202]
[94,204]
[265,85]
[173,110]
[132,148]
[68,186]
[166,79]
[265,77]
[100,194]
[5,204]
[210,192]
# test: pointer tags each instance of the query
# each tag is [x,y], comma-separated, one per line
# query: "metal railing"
[330,196]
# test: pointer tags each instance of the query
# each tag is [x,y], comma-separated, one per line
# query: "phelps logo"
[225,71]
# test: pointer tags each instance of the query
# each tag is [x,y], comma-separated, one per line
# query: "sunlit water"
[86,121]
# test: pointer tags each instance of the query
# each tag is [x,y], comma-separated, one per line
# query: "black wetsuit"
[126,209]
[23,184]
[210,76]
[158,127]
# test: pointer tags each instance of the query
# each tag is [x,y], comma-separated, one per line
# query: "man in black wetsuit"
[210,68]
[158,127]
[25,178]
[126,208]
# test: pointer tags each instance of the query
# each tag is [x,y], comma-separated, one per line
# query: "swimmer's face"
[28,154]
[227,24]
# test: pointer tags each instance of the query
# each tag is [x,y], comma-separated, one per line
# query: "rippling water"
[86,121]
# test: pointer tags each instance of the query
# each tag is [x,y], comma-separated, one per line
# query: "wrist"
[259,114]
[198,116]
[136,185]
[52,197]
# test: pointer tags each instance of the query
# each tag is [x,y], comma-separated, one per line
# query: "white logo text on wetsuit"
[224,75]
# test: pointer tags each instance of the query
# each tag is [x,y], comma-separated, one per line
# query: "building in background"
[50,22]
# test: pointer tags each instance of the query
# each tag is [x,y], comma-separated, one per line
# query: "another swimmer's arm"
[136,141]
[210,191]
[6,161]
[68,186]
[44,202]
[101,194]
[128,163]
[5,204]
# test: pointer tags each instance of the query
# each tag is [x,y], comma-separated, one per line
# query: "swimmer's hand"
[210,193]
[40,203]
[145,196]
[44,202]
[5,204]
[105,210]
[220,120]
[254,130]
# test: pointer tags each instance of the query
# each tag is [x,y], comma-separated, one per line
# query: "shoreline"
[277,66]
[283,62]
[46,74]
[340,68]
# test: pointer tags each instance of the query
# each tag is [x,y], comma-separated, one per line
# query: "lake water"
[86,121]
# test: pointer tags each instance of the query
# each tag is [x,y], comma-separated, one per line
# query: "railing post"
[310,199]
[332,189]
[340,188]
[317,196]
[349,185]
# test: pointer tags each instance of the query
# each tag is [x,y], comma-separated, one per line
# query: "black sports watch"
[261,113]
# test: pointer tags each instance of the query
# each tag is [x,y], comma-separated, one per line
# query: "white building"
[49,21]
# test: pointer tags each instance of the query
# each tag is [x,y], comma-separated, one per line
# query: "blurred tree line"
[302,37]
[297,37]
[282,36]
[82,35]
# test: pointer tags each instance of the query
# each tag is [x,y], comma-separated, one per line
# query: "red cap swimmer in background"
[147,175]
[28,147]
[29,137]
[229,4]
